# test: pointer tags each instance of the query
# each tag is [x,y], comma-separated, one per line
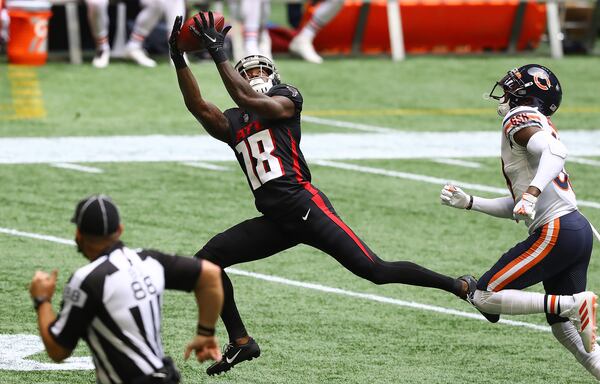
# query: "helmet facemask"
[513,91]
[261,80]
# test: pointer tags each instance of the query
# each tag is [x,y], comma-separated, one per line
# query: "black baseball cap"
[96,215]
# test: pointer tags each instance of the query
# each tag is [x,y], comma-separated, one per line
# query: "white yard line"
[77,167]
[429,179]
[14,232]
[321,288]
[581,160]
[410,176]
[201,164]
[346,124]
[457,162]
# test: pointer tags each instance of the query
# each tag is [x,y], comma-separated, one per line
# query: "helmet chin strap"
[260,85]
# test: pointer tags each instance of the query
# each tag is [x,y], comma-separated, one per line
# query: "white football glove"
[525,208]
[455,197]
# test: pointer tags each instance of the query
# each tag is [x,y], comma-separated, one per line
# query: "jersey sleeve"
[181,273]
[519,119]
[77,310]
[290,92]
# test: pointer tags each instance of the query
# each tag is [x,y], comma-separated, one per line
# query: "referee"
[114,302]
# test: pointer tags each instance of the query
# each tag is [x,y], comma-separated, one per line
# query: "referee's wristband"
[39,300]
[204,331]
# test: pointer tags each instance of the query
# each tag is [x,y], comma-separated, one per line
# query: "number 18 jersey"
[520,167]
[268,151]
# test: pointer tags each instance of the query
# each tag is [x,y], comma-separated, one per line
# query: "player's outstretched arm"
[211,117]
[209,297]
[455,197]
[275,107]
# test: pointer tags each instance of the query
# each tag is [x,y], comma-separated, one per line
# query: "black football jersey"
[268,151]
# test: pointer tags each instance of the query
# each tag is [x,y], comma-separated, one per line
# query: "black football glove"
[176,54]
[213,39]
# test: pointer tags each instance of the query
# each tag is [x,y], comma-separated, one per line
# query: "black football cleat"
[234,354]
[472,284]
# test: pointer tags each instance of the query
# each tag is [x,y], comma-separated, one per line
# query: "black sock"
[230,315]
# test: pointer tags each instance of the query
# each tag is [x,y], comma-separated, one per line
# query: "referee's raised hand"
[205,348]
[43,284]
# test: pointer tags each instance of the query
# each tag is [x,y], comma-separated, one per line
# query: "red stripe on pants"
[317,199]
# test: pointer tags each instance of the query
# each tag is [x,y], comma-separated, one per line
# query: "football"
[187,42]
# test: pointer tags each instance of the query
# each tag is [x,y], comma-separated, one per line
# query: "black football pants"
[314,223]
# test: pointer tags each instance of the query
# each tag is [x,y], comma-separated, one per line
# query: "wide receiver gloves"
[456,197]
[525,208]
[213,40]
[176,54]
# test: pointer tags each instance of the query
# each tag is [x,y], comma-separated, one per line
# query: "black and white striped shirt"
[114,304]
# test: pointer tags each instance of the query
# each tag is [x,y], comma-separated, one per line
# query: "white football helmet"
[268,76]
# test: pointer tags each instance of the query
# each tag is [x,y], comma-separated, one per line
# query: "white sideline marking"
[320,288]
[346,124]
[77,167]
[429,179]
[200,164]
[581,160]
[460,163]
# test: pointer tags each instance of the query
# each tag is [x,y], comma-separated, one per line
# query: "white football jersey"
[520,167]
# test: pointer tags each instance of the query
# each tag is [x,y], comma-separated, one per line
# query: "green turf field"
[306,335]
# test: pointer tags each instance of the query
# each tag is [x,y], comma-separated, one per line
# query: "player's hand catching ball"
[176,54]
[525,208]
[213,39]
[455,197]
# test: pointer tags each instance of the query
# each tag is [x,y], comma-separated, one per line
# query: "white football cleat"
[101,58]
[140,56]
[303,47]
[583,316]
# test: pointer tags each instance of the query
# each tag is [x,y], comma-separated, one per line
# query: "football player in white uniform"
[150,14]
[558,249]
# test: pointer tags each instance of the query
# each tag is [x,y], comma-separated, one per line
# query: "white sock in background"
[251,13]
[97,12]
[145,22]
[323,15]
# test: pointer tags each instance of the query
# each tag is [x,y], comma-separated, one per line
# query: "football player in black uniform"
[264,132]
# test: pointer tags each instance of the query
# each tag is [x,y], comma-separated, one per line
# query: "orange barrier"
[434,26]
[28,32]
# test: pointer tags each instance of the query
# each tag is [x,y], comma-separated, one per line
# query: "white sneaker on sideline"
[101,58]
[140,56]
[304,48]
[583,316]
